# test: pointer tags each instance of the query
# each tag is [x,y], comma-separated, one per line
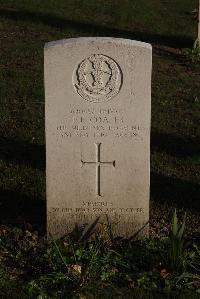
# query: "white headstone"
[98,96]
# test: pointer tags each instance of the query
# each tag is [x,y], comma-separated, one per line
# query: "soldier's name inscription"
[111,122]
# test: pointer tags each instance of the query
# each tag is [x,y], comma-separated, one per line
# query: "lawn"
[25,26]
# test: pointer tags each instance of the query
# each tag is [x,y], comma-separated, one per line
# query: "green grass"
[161,17]
[67,268]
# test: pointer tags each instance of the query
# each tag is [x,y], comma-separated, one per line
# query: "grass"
[175,136]
[67,268]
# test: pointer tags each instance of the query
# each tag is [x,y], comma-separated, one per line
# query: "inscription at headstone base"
[98,96]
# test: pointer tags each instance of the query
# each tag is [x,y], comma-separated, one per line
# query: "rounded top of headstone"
[97,39]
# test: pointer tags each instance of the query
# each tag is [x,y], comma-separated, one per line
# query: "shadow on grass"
[21,152]
[174,192]
[95,29]
[180,147]
[139,293]
[176,55]
[16,208]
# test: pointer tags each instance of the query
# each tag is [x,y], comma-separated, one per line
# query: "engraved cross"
[98,164]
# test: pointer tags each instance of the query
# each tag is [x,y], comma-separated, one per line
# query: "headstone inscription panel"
[98,96]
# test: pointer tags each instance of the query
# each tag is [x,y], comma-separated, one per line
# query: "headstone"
[98,95]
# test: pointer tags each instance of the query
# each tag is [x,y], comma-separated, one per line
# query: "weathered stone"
[98,95]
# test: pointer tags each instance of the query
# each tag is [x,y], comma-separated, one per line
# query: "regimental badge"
[98,78]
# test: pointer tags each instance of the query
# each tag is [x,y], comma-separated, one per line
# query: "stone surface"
[98,96]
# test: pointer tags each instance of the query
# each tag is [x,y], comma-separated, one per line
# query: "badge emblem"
[98,78]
